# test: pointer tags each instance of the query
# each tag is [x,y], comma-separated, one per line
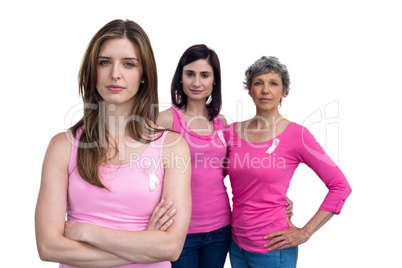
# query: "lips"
[115,88]
[195,91]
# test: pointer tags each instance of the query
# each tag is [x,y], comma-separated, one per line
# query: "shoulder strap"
[74,149]
[220,124]
[177,118]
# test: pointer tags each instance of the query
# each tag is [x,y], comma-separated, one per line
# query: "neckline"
[262,142]
[138,158]
[130,163]
[187,128]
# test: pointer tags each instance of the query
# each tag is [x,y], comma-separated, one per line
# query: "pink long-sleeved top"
[260,175]
[135,189]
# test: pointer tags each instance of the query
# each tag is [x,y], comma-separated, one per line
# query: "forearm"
[147,246]
[66,251]
[150,246]
[317,221]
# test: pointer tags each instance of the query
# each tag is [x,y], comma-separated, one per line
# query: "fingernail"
[163,200]
[171,202]
[173,211]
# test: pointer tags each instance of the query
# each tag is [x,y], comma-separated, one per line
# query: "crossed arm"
[82,245]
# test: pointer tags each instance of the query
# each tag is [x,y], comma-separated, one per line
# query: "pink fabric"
[260,181]
[211,208]
[132,196]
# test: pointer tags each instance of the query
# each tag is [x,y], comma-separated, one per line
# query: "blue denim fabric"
[205,250]
[240,258]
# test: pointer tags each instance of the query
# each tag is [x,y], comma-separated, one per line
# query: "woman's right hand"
[162,216]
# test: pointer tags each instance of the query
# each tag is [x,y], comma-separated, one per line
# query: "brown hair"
[92,150]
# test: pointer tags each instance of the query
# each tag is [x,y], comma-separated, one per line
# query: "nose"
[196,81]
[116,74]
[265,89]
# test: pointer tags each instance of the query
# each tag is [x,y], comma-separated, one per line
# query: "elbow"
[174,257]
[174,251]
[347,190]
[44,252]
[47,250]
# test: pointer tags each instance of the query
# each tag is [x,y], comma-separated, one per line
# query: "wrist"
[85,233]
[307,233]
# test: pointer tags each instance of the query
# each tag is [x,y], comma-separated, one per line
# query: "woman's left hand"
[74,230]
[289,208]
[286,238]
[161,218]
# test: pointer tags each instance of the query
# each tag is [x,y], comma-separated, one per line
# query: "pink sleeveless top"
[211,209]
[134,191]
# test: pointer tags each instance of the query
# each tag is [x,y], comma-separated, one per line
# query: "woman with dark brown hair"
[115,166]
[196,97]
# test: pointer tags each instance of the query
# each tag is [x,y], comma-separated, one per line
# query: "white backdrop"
[344,60]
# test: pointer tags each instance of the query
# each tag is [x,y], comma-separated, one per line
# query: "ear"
[283,93]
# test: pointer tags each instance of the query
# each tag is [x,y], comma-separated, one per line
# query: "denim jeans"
[205,250]
[284,258]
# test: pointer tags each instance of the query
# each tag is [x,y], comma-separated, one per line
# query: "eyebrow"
[203,72]
[127,58]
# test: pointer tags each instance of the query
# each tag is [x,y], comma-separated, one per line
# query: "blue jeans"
[205,250]
[284,258]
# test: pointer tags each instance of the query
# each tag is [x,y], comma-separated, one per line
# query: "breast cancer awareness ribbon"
[273,146]
[153,180]
[220,135]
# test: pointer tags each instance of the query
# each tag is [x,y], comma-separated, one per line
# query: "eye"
[189,74]
[129,64]
[204,75]
[274,83]
[104,62]
[257,83]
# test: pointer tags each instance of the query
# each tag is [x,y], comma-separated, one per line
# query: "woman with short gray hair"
[263,154]
[265,65]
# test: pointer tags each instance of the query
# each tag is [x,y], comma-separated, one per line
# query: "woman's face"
[266,91]
[119,71]
[198,80]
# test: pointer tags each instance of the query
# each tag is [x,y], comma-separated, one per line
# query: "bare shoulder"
[176,144]
[59,149]
[165,119]
[61,141]
[223,119]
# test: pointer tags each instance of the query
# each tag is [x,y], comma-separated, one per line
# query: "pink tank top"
[134,191]
[211,209]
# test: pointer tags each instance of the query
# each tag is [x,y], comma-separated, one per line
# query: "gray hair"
[265,65]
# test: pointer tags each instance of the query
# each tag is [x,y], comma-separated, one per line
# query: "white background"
[343,55]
